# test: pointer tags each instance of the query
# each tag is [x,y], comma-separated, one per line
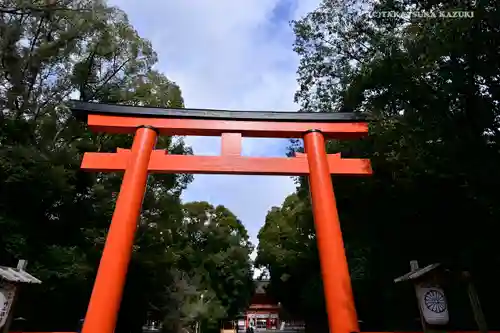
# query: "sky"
[228,54]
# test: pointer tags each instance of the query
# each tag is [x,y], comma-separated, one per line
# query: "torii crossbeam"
[147,123]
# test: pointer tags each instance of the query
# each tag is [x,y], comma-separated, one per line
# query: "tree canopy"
[431,89]
[185,268]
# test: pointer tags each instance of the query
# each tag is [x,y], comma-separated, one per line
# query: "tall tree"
[217,251]
[57,216]
[430,87]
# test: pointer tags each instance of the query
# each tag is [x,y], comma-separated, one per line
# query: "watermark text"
[422,14]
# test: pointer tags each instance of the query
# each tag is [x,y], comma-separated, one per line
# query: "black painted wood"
[82,109]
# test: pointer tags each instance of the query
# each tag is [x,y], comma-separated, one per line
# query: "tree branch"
[109,78]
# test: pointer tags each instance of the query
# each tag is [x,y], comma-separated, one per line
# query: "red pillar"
[342,316]
[108,287]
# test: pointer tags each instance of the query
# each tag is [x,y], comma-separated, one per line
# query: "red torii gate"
[147,123]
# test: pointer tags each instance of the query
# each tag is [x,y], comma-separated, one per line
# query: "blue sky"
[228,54]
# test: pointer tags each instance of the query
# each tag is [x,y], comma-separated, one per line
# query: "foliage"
[430,88]
[56,216]
[212,246]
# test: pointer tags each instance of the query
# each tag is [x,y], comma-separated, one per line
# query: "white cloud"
[228,54]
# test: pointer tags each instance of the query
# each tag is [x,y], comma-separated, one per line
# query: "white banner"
[7,293]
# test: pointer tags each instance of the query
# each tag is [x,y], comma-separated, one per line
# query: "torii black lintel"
[83,109]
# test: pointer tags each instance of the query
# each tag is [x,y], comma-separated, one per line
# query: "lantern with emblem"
[431,298]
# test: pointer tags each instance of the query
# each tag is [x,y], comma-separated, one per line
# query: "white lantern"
[433,304]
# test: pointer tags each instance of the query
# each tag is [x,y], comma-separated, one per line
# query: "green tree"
[191,268]
[214,249]
[57,216]
[430,88]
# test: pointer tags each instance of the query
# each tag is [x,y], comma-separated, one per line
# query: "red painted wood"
[231,144]
[342,317]
[118,124]
[317,164]
[161,162]
[106,297]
